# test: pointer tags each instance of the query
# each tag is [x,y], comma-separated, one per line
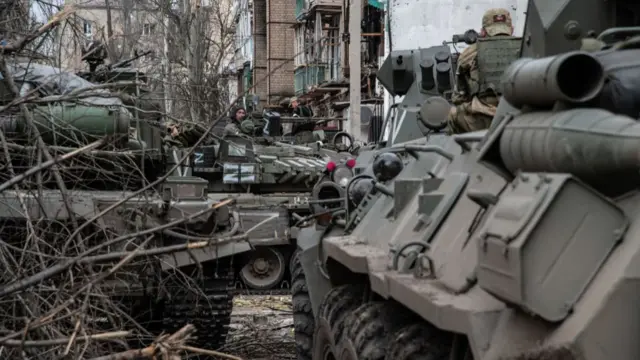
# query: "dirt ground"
[261,328]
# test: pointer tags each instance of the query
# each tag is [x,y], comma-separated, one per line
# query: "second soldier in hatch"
[235,124]
[474,105]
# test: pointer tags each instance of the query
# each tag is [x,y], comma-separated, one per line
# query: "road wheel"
[331,325]
[264,270]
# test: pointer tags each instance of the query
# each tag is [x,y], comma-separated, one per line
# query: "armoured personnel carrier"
[414,131]
[523,246]
[124,193]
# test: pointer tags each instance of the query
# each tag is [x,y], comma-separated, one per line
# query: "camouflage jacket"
[234,129]
[467,76]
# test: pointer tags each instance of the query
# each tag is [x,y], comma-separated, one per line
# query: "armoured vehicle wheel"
[292,260]
[419,342]
[208,308]
[371,329]
[303,320]
[331,327]
[265,269]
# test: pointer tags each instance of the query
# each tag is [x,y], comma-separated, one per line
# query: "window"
[87,29]
[148,29]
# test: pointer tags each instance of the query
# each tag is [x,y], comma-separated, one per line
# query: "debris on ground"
[261,328]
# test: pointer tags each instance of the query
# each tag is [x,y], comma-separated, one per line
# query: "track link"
[208,309]
[282,289]
[267,292]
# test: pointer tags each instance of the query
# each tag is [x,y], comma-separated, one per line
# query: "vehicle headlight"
[341,175]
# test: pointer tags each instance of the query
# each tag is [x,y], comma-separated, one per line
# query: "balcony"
[308,77]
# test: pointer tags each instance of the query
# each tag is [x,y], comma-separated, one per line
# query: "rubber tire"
[331,324]
[292,259]
[420,342]
[303,321]
[372,327]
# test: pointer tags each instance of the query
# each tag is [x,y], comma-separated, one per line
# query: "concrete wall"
[259,62]
[273,42]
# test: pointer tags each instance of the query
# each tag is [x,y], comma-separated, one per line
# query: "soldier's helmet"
[497,22]
[247,126]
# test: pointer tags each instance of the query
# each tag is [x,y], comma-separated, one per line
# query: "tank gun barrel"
[70,126]
[584,142]
[127,62]
[574,77]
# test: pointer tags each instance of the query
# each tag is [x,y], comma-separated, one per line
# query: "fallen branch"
[63,341]
[167,347]
[47,164]
[210,353]
[53,22]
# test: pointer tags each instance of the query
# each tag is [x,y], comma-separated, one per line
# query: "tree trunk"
[194,58]
[110,41]
[166,67]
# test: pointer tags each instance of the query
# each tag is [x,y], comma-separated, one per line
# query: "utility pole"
[355,59]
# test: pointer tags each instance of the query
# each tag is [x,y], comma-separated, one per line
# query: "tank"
[481,245]
[117,188]
[271,183]
[271,176]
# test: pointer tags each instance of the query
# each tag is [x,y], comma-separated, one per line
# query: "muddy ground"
[261,328]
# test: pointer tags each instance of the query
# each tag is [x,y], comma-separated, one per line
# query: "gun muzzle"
[574,77]
[327,195]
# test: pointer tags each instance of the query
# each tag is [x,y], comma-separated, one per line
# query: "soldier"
[299,109]
[303,111]
[475,107]
[234,125]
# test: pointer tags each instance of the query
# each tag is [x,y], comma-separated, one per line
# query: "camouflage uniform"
[232,129]
[236,128]
[474,109]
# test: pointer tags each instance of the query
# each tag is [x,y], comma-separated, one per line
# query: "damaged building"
[264,47]
[315,33]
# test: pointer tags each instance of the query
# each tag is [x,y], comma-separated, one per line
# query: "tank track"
[209,309]
[284,289]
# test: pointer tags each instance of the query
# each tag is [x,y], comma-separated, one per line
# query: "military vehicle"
[425,78]
[122,195]
[491,245]
[270,176]
[271,183]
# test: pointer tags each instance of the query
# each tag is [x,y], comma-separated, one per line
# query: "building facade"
[264,49]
